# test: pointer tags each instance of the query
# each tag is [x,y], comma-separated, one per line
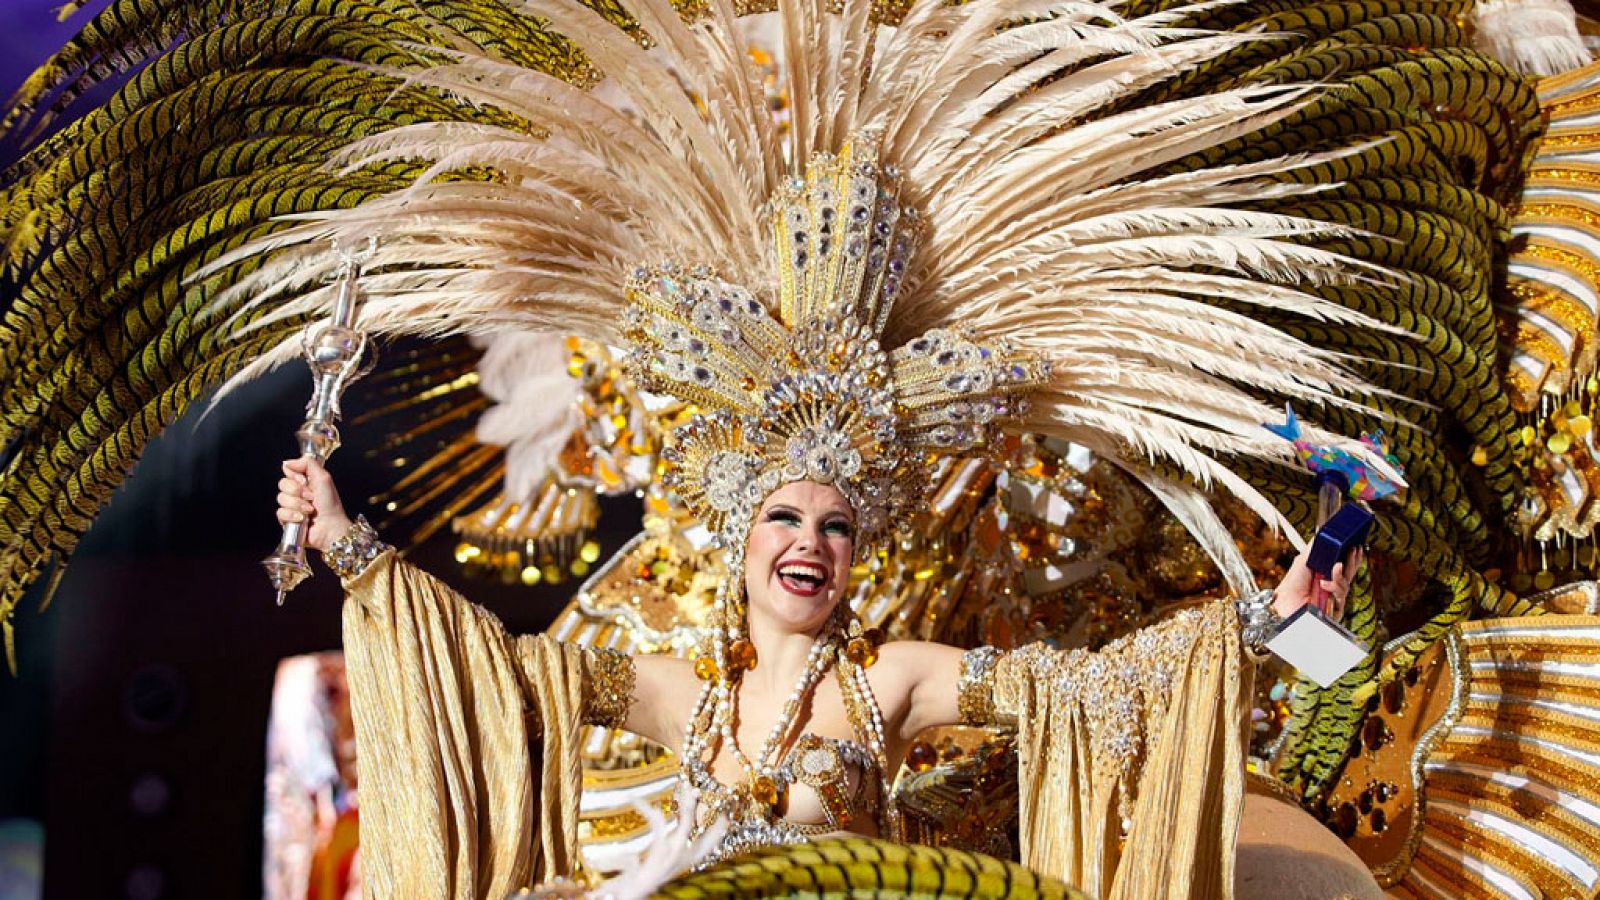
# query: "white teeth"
[797,570]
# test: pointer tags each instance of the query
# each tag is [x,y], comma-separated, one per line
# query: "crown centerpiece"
[793,383]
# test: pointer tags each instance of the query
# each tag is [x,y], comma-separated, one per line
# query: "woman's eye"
[784,516]
[842,529]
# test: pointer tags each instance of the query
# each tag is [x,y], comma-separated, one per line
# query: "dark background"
[135,729]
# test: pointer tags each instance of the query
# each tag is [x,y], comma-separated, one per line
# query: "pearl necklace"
[818,661]
[868,717]
[761,793]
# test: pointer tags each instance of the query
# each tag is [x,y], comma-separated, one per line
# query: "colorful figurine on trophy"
[1312,640]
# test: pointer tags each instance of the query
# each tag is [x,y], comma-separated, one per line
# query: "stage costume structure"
[989,269]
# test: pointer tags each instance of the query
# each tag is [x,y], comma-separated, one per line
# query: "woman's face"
[797,560]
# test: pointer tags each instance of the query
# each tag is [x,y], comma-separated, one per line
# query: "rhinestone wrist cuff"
[349,555]
[975,697]
[1258,622]
[608,695]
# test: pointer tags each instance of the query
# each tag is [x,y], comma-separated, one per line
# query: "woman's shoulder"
[917,650]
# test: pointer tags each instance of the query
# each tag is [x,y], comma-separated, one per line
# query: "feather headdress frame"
[1055,226]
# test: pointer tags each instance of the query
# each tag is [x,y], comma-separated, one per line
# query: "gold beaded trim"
[819,765]
[975,699]
[608,693]
[350,554]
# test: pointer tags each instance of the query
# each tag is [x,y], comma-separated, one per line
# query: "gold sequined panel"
[658,589]
[1552,306]
[1579,598]
[1373,804]
[612,833]
[1481,776]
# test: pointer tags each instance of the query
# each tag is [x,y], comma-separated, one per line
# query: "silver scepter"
[337,353]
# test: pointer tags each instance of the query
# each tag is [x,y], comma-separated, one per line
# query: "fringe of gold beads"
[1556,538]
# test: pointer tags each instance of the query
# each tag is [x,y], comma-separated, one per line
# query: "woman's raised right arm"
[448,707]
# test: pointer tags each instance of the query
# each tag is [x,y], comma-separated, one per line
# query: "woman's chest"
[811,762]
[821,783]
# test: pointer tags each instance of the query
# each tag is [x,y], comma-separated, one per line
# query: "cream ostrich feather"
[1048,226]
[536,406]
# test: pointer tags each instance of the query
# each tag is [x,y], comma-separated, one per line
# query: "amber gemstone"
[1344,820]
[1374,733]
[764,791]
[921,756]
[995,762]
[741,655]
[705,668]
[861,651]
[1394,697]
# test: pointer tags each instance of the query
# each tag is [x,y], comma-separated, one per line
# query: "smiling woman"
[799,721]
[798,557]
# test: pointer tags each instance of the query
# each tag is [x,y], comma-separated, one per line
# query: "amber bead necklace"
[761,787]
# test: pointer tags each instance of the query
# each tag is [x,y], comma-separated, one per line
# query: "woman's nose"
[810,538]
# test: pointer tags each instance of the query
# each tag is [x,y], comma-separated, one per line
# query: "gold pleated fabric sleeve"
[449,710]
[1132,758]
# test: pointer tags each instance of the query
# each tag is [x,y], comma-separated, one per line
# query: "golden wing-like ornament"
[1475,774]
[510,441]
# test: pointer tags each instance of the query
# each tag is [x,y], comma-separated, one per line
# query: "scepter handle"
[287,567]
[336,351]
[318,437]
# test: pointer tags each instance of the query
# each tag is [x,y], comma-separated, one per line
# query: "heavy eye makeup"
[837,526]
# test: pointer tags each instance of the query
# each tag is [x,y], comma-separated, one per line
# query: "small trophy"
[1320,648]
[337,353]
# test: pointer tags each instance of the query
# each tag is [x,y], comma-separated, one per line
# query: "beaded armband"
[349,555]
[608,694]
[1258,621]
[975,698]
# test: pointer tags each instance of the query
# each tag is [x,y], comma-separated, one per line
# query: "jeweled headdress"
[808,392]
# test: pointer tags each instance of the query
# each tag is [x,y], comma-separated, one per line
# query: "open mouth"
[806,579]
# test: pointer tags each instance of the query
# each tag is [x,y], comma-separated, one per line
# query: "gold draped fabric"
[1145,738]
[447,707]
[1132,758]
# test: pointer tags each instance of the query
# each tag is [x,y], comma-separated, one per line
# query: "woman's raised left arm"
[1132,756]
[948,686]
